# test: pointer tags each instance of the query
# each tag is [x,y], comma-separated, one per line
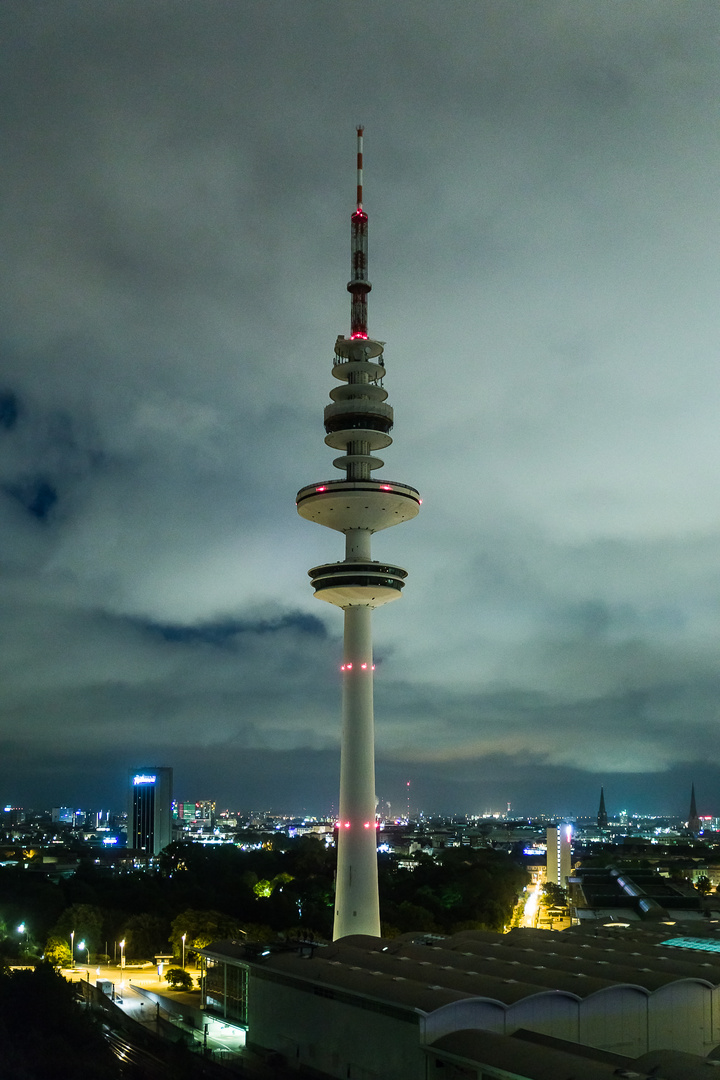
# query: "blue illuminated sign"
[143,778]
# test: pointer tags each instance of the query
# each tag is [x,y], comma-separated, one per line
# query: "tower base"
[357,907]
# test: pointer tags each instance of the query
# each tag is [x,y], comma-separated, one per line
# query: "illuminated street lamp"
[183,941]
[84,948]
[122,953]
[22,929]
[72,948]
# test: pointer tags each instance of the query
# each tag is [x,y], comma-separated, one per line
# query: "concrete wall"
[684,1015]
[332,1036]
[615,1021]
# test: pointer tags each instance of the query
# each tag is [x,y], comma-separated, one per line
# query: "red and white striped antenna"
[359,286]
[359,166]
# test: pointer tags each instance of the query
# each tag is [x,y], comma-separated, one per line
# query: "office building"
[150,810]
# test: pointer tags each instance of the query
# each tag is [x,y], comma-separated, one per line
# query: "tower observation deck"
[358,423]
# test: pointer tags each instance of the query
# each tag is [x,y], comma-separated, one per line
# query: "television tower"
[358,422]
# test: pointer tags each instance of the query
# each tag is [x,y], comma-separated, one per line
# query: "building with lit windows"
[150,809]
[559,854]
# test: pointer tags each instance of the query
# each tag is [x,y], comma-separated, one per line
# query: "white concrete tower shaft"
[358,422]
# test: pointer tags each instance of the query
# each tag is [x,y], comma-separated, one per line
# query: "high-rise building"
[358,422]
[205,812]
[602,818]
[150,809]
[559,854]
[12,815]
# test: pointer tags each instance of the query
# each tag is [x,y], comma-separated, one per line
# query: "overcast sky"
[176,185]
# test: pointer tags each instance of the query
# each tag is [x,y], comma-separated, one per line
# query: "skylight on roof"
[700,943]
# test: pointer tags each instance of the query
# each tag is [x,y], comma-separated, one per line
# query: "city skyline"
[546,276]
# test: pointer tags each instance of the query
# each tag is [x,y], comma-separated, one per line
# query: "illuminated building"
[358,422]
[150,811]
[559,854]
[13,815]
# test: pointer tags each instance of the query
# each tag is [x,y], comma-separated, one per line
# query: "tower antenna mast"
[358,285]
[358,422]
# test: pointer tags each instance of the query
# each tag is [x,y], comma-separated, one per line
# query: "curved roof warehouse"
[368,1007]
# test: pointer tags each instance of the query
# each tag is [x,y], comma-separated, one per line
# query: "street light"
[72,948]
[122,953]
[84,948]
[22,929]
[183,941]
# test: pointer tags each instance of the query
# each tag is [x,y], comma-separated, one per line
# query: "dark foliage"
[46,1034]
[466,889]
[287,886]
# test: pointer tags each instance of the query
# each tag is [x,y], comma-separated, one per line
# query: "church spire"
[602,818]
[693,820]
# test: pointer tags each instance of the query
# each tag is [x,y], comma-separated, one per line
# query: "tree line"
[205,893]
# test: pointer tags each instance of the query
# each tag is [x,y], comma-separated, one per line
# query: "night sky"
[176,186]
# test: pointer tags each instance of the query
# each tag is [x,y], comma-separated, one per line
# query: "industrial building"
[477,1002]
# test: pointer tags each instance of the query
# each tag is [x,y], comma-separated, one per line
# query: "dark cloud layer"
[176,186]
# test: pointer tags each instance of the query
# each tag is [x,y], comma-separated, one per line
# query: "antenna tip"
[360,129]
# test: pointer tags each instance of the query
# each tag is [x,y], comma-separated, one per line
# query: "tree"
[554,894]
[145,935]
[201,928]
[57,952]
[476,887]
[87,922]
[703,885]
[179,979]
[266,887]
[44,1034]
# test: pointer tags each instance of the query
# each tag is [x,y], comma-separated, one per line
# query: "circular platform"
[349,583]
[358,504]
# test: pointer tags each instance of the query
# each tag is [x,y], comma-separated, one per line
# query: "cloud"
[541,183]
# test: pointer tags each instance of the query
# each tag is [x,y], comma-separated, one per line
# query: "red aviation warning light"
[359,286]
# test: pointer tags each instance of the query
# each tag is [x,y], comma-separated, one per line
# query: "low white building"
[365,1008]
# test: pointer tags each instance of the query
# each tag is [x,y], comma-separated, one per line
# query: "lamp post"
[22,929]
[82,948]
[183,954]
[122,953]
[72,949]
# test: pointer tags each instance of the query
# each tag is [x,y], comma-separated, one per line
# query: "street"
[222,1039]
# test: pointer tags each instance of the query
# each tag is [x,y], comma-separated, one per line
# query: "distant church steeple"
[693,820]
[602,818]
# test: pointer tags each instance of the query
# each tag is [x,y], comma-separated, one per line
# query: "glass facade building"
[150,810]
